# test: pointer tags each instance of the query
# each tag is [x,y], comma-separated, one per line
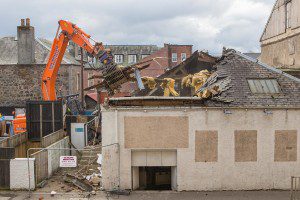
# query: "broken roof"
[196,62]
[239,79]
[9,52]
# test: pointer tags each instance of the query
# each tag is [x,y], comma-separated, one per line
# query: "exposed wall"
[19,173]
[20,83]
[229,170]
[283,54]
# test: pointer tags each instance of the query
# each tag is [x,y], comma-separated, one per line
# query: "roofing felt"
[9,52]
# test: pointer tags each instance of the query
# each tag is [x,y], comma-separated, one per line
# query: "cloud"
[204,23]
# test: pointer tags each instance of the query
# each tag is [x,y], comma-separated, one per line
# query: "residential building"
[244,137]
[22,62]
[167,57]
[280,41]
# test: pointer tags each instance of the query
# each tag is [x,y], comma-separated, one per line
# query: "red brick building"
[165,58]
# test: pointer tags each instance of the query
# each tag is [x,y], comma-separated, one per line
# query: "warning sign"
[68,161]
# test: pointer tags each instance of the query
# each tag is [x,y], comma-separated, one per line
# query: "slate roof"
[253,55]
[9,52]
[233,71]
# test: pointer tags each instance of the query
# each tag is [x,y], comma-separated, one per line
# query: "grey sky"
[207,24]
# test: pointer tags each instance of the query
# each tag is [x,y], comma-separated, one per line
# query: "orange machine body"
[69,31]
[19,124]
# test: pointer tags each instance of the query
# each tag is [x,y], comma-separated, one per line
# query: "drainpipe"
[82,92]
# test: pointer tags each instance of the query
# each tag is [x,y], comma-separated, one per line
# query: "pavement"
[163,195]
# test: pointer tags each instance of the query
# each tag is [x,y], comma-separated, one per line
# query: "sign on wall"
[68,161]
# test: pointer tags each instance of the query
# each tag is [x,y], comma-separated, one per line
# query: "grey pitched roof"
[233,72]
[9,52]
[253,55]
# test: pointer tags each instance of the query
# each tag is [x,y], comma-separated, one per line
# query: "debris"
[53,193]
[95,180]
[197,81]
[78,183]
[149,81]
[93,192]
[168,85]
[99,160]
[120,192]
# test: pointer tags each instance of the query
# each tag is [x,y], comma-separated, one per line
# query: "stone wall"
[284,54]
[19,83]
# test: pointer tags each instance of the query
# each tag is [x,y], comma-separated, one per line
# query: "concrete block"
[19,174]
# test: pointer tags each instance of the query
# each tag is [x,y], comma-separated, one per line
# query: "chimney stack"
[26,43]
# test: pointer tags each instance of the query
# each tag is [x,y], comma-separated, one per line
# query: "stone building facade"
[280,41]
[22,62]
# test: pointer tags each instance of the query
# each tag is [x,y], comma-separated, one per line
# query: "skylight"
[264,86]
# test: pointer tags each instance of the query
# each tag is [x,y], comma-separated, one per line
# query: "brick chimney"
[26,43]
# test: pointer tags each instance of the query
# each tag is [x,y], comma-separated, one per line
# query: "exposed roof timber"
[268,67]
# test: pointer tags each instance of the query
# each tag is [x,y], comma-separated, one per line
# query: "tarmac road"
[163,195]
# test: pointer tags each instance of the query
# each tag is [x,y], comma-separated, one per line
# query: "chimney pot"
[27,22]
[22,22]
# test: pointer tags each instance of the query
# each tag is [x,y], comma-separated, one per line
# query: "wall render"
[225,174]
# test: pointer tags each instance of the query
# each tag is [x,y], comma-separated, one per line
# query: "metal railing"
[295,188]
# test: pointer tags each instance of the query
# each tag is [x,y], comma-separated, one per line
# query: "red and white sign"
[68,161]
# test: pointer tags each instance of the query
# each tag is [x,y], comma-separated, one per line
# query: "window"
[206,146]
[174,57]
[131,59]
[264,86]
[145,55]
[288,14]
[90,81]
[118,58]
[183,57]
[285,146]
[245,145]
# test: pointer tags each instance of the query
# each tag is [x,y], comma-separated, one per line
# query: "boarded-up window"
[245,145]
[206,146]
[156,132]
[285,145]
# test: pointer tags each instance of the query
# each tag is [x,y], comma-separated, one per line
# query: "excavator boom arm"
[69,31]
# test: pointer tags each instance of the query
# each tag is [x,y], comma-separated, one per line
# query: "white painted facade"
[119,163]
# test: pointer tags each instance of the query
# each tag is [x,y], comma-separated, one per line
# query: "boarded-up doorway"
[154,178]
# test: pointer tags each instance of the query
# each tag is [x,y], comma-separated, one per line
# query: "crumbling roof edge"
[153,98]
[126,107]
[268,67]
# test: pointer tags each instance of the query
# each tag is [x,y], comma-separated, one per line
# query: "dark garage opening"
[155,178]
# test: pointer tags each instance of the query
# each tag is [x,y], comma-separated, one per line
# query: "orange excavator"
[113,76]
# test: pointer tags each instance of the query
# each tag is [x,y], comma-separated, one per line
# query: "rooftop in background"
[9,52]
[253,55]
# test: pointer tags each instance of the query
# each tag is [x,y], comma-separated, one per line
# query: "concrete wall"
[54,155]
[19,174]
[20,83]
[223,173]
